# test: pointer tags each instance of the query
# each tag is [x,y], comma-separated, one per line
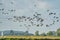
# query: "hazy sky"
[27,8]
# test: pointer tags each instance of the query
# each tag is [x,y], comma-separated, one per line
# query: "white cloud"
[22,12]
[42,5]
[19,12]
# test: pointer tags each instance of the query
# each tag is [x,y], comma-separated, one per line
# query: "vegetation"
[30,38]
[21,33]
[42,34]
[50,33]
[58,32]
[26,39]
[37,33]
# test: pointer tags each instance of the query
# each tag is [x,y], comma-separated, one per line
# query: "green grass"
[25,39]
[29,38]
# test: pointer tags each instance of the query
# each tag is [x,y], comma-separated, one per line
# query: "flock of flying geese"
[36,17]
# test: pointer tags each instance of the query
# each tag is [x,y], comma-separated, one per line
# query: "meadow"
[29,38]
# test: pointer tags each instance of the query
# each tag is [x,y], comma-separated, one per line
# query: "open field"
[29,38]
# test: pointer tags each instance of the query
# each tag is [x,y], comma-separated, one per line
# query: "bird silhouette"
[36,17]
[50,13]
[37,25]
[9,18]
[47,25]
[20,17]
[38,14]
[20,25]
[28,17]
[42,20]
[12,3]
[29,25]
[1,3]
[14,16]
[32,23]
[5,13]
[57,20]
[57,17]
[2,9]
[47,10]
[23,17]
[41,25]
[51,24]
[35,5]
[54,17]
[12,10]
[54,13]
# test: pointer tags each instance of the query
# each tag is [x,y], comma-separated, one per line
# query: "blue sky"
[27,8]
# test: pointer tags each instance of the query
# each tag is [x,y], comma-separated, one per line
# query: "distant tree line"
[50,33]
[21,33]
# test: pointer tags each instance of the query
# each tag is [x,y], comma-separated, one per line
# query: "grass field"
[29,38]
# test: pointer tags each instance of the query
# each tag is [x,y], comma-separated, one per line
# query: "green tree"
[58,32]
[37,33]
[42,34]
[11,32]
[26,33]
[51,33]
